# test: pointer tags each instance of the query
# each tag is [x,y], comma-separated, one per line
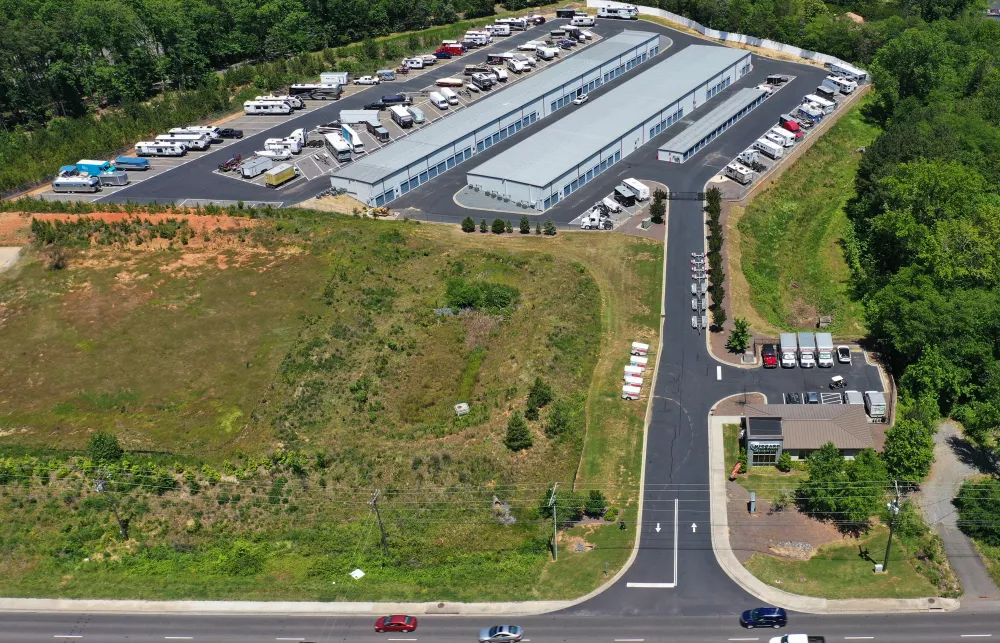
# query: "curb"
[758,588]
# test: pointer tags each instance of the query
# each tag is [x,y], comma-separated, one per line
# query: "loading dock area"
[547,167]
[380,177]
[687,143]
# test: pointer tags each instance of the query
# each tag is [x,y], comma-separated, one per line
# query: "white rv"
[192,141]
[786,138]
[214,133]
[843,85]
[293,101]
[826,105]
[739,173]
[252,107]
[337,147]
[768,148]
[624,13]
[640,190]
[76,184]
[413,63]
[850,72]
[582,21]
[292,145]
[160,148]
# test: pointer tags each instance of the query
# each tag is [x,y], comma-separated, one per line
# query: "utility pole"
[894,509]
[101,487]
[374,504]
[555,530]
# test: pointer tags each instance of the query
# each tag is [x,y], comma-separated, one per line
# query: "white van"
[449,96]
[787,138]
[768,148]
[639,189]
[633,371]
[413,63]
[632,380]
[630,392]
[437,100]
[641,362]
[640,349]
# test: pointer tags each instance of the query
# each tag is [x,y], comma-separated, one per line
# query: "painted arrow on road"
[657,527]
[694,528]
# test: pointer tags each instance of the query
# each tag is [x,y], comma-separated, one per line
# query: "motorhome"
[277,154]
[498,30]
[786,137]
[768,148]
[401,116]
[438,100]
[477,38]
[622,13]
[292,145]
[850,72]
[214,133]
[827,105]
[843,85]
[253,107]
[809,113]
[582,21]
[337,147]
[739,173]
[357,145]
[76,184]
[192,141]
[160,148]
[413,63]
[517,24]
[317,91]
[293,101]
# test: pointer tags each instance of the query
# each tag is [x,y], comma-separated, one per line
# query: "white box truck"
[640,190]
[788,349]
[824,350]
[640,349]
[768,148]
[633,380]
[875,405]
[641,362]
[807,350]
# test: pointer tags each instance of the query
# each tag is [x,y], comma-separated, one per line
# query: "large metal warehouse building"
[686,144]
[563,157]
[391,172]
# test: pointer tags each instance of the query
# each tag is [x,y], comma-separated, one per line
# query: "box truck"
[639,349]
[641,362]
[788,349]
[824,350]
[280,174]
[640,190]
[633,370]
[335,78]
[633,380]
[401,116]
[768,148]
[875,405]
[807,350]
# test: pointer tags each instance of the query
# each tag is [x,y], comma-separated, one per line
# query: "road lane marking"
[755,639]
[290,638]
[67,636]
[402,639]
[971,636]
[651,585]
[179,638]
[718,372]
[629,640]
[857,638]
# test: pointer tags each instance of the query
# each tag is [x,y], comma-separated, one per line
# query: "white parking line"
[746,639]
[857,638]
[629,640]
[972,636]
[67,636]
[290,638]
[718,372]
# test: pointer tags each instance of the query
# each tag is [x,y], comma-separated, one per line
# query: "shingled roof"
[810,426]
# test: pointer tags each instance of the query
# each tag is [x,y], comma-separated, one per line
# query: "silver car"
[501,634]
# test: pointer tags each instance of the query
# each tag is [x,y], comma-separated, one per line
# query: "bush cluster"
[717,274]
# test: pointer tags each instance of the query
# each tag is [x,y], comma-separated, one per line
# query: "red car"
[396,623]
[769,355]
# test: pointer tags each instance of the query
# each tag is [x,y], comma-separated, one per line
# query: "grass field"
[841,571]
[265,380]
[790,266]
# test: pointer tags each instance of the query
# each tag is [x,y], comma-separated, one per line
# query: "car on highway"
[229,132]
[367,80]
[764,617]
[580,100]
[844,354]
[396,623]
[501,634]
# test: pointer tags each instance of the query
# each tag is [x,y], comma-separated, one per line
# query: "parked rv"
[335,78]
[483,81]
[252,107]
[293,101]
[428,59]
[501,74]
[739,173]
[498,30]
[826,105]
[76,184]
[386,74]
[192,141]
[337,147]
[583,21]
[783,136]
[768,148]
[116,177]
[517,66]
[214,133]
[850,72]
[316,91]
[546,53]
[159,148]
[842,85]
[622,13]
[413,63]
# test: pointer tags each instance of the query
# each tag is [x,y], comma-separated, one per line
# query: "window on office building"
[423,178]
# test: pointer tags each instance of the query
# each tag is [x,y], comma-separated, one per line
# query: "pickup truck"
[798,638]
[367,80]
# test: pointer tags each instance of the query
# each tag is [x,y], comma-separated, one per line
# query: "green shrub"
[499,226]
[104,447]
[468,225]
[518,435]
[784,462]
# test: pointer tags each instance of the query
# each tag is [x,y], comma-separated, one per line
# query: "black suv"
[764,617]
[229,132]
[379,105]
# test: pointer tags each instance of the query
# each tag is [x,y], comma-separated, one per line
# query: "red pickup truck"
[769,355]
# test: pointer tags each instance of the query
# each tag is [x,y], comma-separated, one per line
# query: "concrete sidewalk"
[773,596]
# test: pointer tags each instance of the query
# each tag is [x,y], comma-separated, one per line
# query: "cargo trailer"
[280,174]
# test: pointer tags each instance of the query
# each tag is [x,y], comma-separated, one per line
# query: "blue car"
[441,54]
[764,617]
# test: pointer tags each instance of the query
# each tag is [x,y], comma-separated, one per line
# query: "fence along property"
[834,63]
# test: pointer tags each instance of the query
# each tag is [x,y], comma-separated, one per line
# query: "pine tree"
[550,228]
[538,227]
[525,227]
[518,436]
[483,226]
[468,225]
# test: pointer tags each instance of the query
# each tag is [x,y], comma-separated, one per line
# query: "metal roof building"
[686,144]
[563,157]
[394,170]
[801,429]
